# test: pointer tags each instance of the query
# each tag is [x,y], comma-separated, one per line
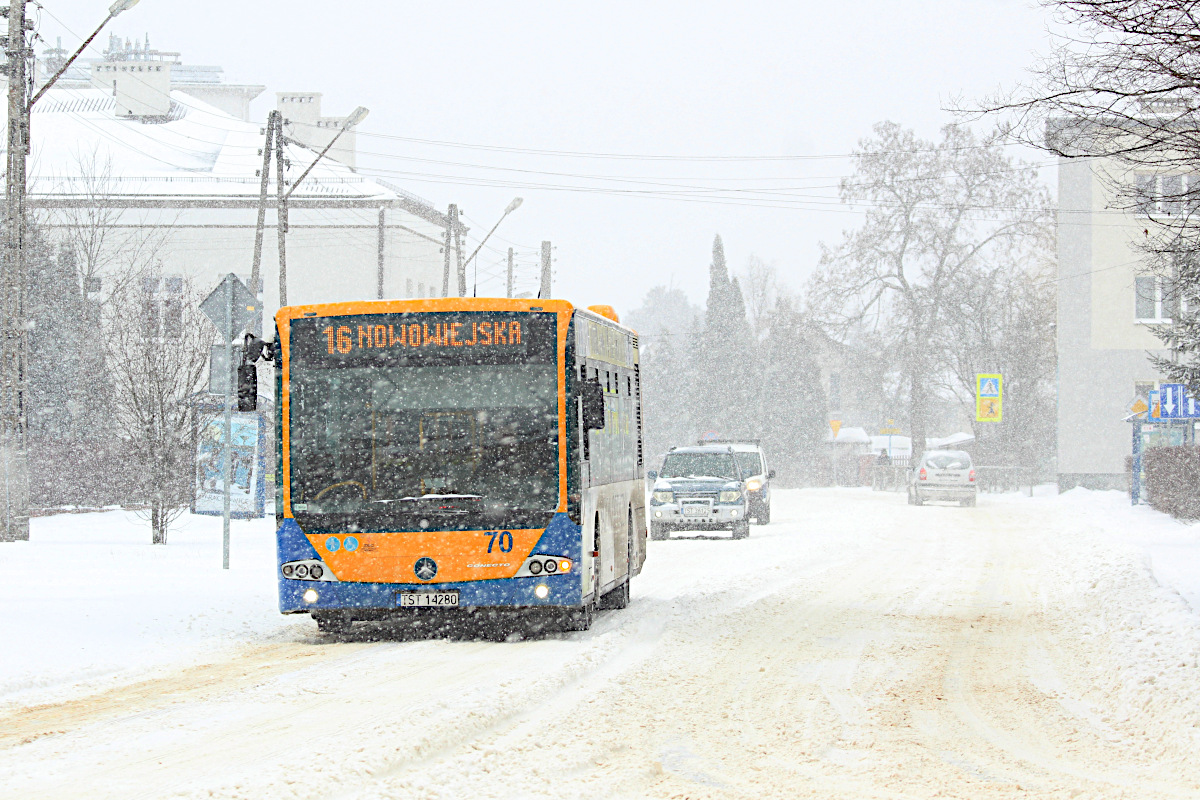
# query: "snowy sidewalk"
[89,601]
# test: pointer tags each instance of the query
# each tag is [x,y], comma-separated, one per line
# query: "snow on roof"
[851,436]
[947,442]
[196,150]
[893,443]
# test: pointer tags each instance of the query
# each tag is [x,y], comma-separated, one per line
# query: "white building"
[154,159]
[1106,310]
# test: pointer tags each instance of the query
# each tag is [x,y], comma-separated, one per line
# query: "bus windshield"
[439,446]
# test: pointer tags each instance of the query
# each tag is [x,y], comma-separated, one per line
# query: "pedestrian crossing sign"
[988,396]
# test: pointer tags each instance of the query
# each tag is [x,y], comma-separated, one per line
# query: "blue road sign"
[1175,403]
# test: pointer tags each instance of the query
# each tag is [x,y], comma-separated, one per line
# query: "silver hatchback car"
[943,475]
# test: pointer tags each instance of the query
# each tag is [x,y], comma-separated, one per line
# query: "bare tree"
[156,350]
[1004,324]
[106,241]
[936,214]
[761,289]
[1123,83]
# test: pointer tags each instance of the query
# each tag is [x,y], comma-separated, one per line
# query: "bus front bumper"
[560,590]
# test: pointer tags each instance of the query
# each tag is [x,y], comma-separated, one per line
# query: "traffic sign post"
[989,391]
[1174,402]
[232,309]
[1166,418]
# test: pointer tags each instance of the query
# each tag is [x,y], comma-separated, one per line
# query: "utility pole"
[382,241]
[544,291]
[255,274]
[458,255]
[14,329]
[451,213]
[281,215]
[356,116]
[15,335]
[510,254]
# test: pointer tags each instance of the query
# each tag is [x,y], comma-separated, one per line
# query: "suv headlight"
[731,496]
[664,497]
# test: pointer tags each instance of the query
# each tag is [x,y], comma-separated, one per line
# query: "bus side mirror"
[247,388]
[593,405]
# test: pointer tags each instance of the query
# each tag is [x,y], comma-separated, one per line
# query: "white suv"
[753,463]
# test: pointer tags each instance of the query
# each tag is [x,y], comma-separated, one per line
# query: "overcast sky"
[708,81]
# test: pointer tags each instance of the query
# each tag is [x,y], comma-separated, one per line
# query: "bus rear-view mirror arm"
[253,349]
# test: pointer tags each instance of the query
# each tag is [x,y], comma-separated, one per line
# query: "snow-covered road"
[857,647]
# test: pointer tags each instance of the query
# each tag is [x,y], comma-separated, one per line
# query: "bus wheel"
[332,623]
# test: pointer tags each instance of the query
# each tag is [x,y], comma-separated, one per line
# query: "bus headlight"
[731,496]
[310,596]
[542,591]
[664,497]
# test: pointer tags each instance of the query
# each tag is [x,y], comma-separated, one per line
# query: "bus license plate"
[428,599]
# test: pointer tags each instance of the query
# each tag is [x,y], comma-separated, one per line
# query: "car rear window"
[950,460]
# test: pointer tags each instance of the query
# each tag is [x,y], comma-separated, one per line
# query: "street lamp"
[14,343]
[513,206]
[281,197]
[113,10]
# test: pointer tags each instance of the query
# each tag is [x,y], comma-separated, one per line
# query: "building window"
[420,290]
[162,306]
[1154,299]
[1165,195]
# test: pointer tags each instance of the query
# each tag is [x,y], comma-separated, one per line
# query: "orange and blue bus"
[462,454]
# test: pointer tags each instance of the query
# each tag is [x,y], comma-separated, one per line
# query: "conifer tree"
[722,354]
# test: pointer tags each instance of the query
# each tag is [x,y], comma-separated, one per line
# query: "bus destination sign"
[433,337]
[499,333]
